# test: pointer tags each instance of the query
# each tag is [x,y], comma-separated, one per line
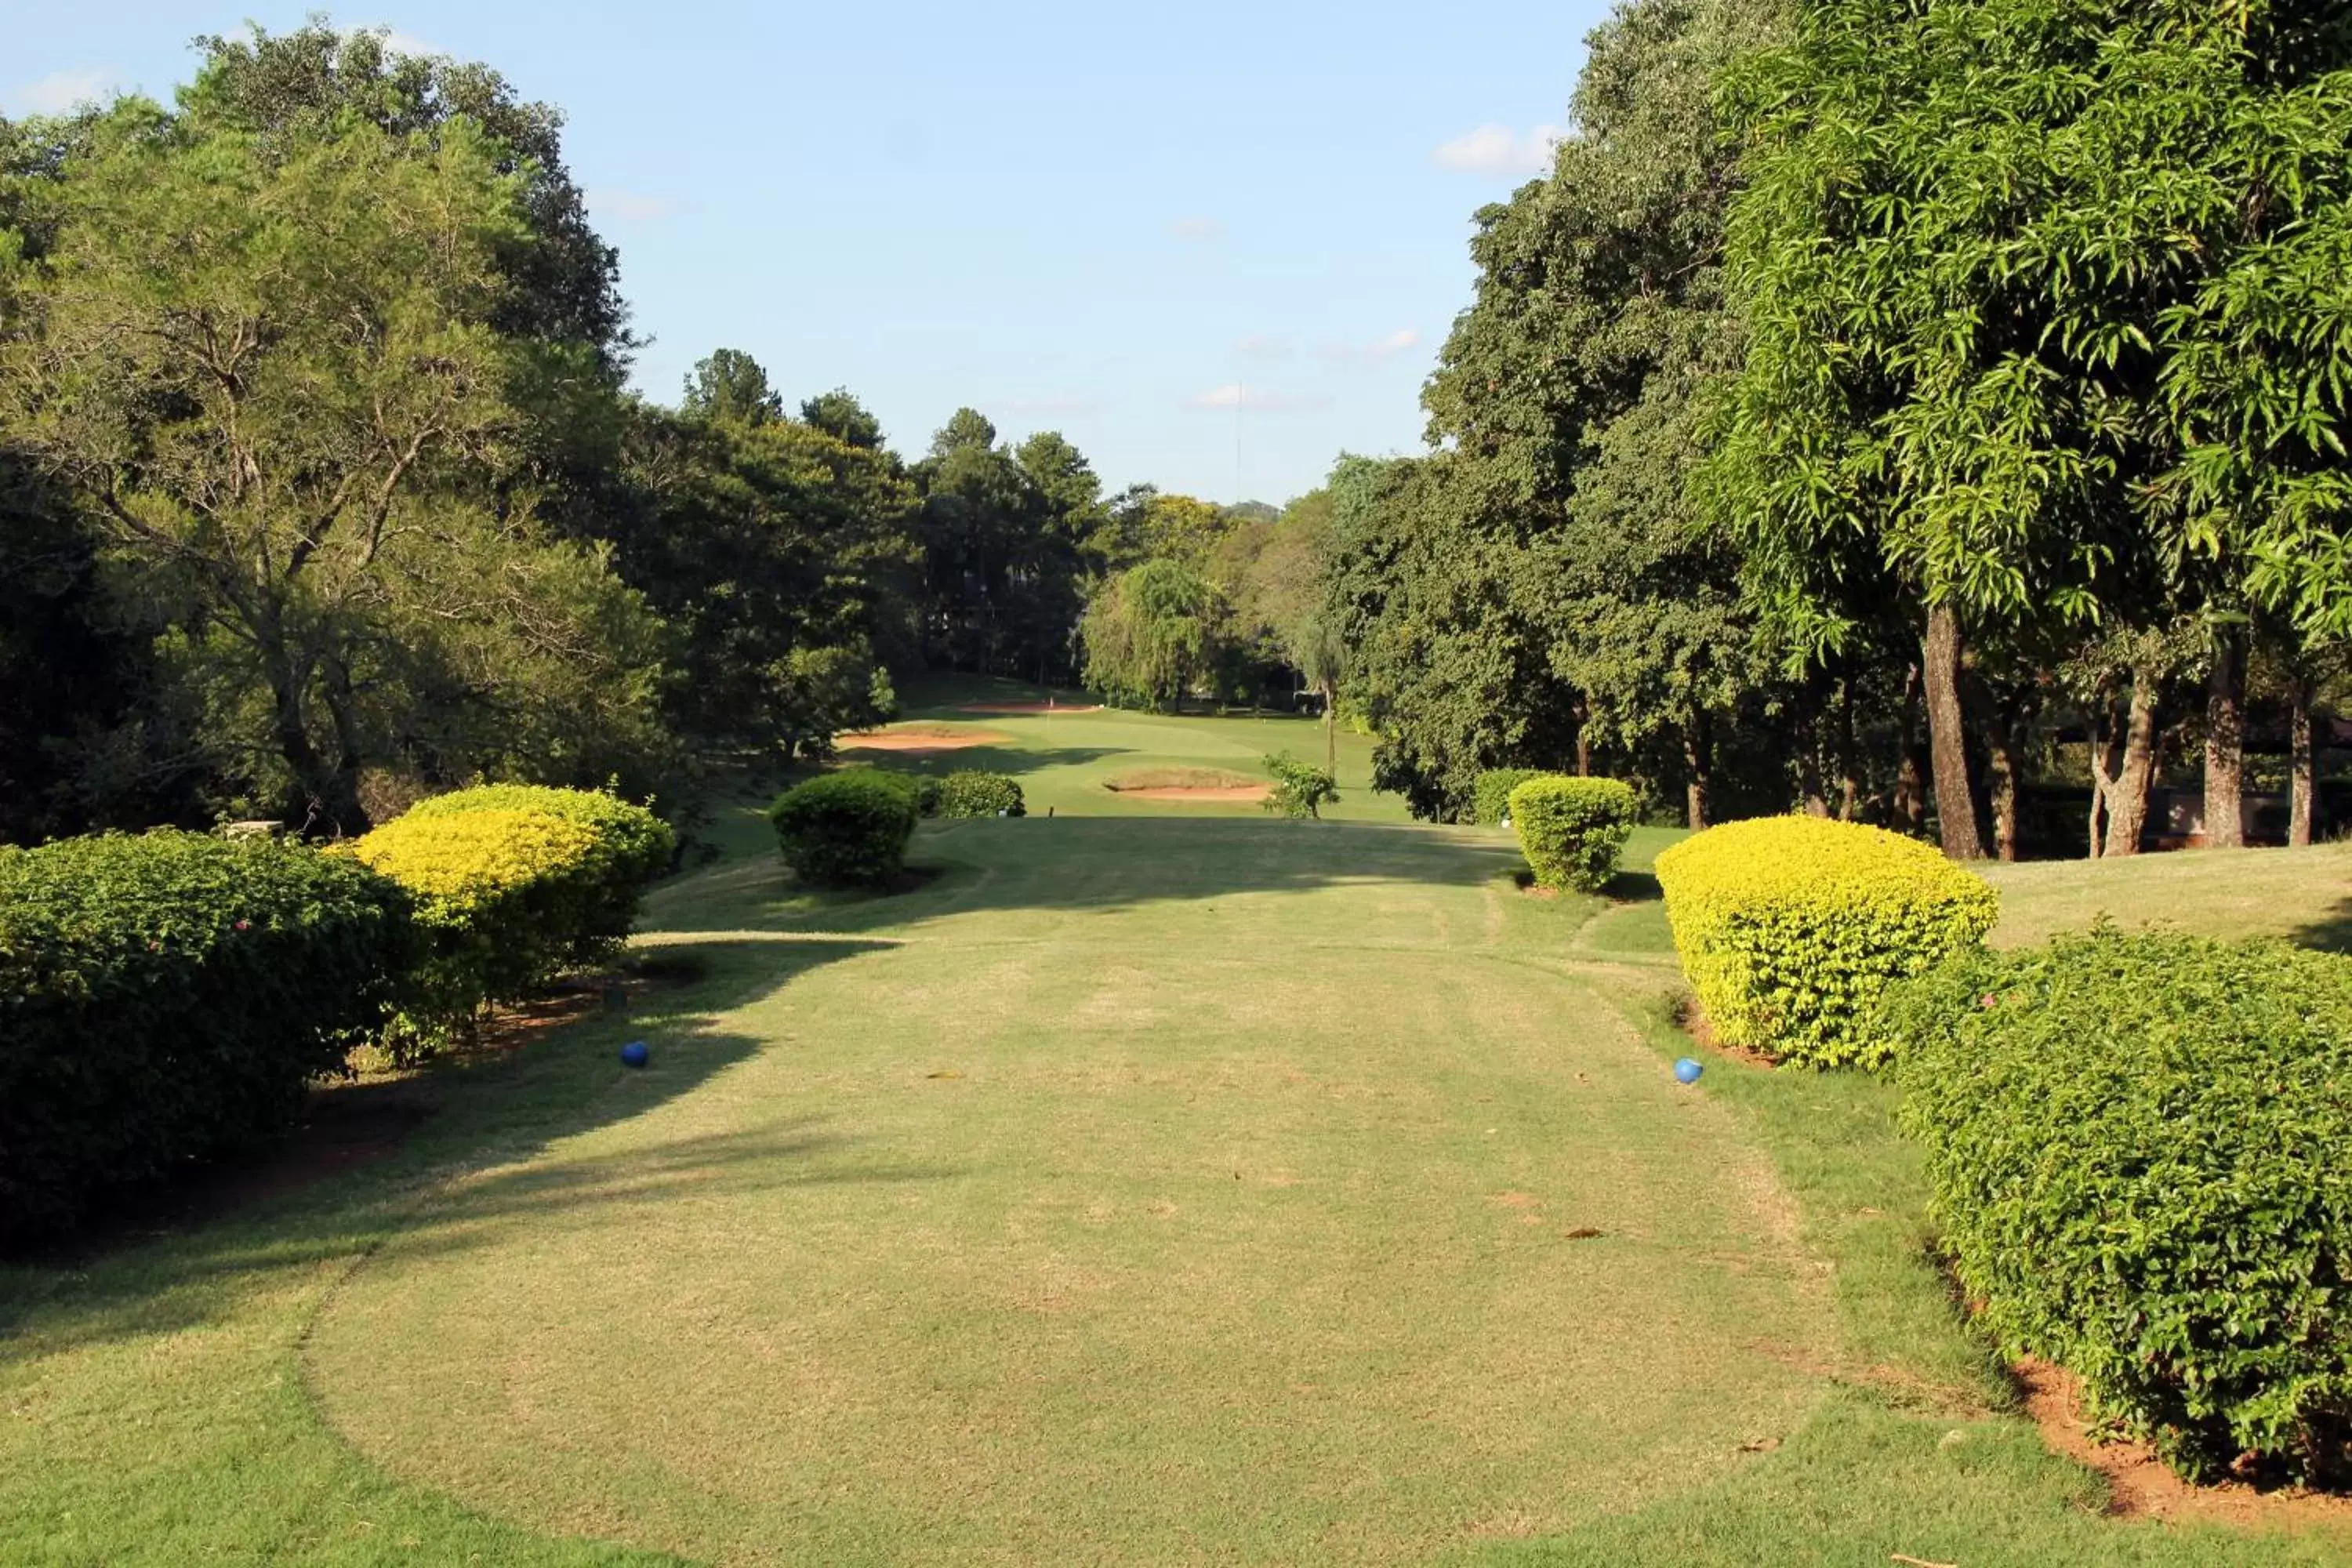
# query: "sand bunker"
[1010,708]
[919,739]
[1241,795]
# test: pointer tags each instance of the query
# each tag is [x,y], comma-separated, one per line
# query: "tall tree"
[268,363]
[728,386]
[2028,284]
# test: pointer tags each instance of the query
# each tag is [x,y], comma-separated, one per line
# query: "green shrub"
[921,789]
[505,897]
[846,828]
[633,849]
[2140,1152]
[1791,928]
[167,999]
[968,792]
[1300,789]
[1490,797]
[1572,830]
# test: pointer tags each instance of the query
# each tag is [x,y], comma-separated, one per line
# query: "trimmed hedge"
[1791,928]
[968,792]
[1573,829]
[1490,796]
[846,828]
[633,849]
[167,999]
[2140,1152]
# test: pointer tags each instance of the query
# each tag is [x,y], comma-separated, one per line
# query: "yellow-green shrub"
[632,848]
[1790,928]
[506,897]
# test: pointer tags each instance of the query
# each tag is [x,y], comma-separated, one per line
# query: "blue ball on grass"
[634,1055]
[1687,1070]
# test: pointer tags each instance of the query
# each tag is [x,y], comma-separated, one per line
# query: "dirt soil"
[920,741]
[1010,708]
[2139,1486]
[1244,794]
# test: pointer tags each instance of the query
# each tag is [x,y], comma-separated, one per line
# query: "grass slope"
[1191,1189]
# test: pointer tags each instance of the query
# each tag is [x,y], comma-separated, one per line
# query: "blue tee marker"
[634,1055]
[1687,1070]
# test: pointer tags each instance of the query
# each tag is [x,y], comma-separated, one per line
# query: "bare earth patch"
[1012,708]
[2138,1484]
[920,740]
[1239,794]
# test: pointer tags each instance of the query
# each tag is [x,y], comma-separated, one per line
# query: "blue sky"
[1216,244]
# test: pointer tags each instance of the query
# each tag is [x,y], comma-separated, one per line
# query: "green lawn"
[1180,1186]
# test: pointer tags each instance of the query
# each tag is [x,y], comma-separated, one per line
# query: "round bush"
[972,793]
[846,829]
[168,997]
[2141,1156]
[1572,830]
[632,850]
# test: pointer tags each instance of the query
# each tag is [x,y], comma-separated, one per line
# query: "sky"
[1216,244]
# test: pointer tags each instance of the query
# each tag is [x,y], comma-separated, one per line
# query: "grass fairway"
[1174,1187]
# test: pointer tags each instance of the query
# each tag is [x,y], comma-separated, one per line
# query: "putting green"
[1157,1191]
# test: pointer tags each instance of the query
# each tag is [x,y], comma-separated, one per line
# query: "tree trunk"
[1909,807]
[2127,799]
[1330,730]
[2302,793]
[1583,739]
[1956,810]
[1699,752]
[1849,771]
[2107,759]
[2225,742]
[2007,763]
[333,792]
[1810,773]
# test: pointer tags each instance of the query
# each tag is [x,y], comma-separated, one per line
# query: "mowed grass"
[1169,1190]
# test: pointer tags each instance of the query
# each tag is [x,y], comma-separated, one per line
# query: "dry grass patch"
[1188,783]
[921,739]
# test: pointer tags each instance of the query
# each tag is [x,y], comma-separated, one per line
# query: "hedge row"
[1791,928]
[513,884]
[1573,829]
[167,999]
[1490,796]
[2140,1152]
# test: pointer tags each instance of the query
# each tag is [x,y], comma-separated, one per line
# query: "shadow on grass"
[463,1117]
[1634,888]
[2331,932]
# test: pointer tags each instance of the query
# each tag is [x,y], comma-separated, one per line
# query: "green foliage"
[2141,1155]
[509,895]
[1151,633]
[1791,928]
[728,386]
[1300,789]
[1573,829]
[632,849]
[167,999]
[969,792]
[848,828]
[1490,797]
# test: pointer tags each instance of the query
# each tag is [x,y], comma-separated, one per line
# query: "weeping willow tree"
[1151,633]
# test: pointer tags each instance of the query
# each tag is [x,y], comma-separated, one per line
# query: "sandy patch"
[1239,794]
[1009,707]
[919,739]
[2139,1483]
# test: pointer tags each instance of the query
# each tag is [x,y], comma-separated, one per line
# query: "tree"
[729,386]
[840,416]
[2028,286]
[1150,633]
[279,416]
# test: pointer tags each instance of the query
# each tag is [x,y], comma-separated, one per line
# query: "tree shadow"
[2331,932]
[458,1119]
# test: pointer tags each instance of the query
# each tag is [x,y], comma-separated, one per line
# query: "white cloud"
[1389,347]
[62,90]
[1499,149]
[629,207]
[1263,345]
[1197,229]
[1239,394]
